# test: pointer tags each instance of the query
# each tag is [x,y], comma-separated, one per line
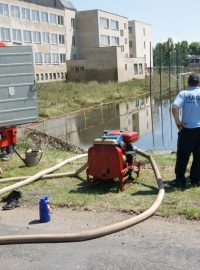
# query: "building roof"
[97,10]
[68,4]
[193,57]
[60,4]
[135,21]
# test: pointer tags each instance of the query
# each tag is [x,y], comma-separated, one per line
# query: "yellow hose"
[91,234]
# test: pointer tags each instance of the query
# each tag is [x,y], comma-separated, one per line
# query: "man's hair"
[193,79]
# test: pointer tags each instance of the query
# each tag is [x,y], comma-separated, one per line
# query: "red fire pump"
[112,157]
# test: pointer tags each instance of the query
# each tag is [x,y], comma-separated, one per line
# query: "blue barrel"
[45,215]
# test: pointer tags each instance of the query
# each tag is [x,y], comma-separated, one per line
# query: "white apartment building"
[47,26]
[103,49]
[77,45]
[99,28]
[140,37]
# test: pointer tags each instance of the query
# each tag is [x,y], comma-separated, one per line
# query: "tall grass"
[57,98]
[61,97]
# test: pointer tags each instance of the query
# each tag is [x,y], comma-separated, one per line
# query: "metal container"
[18,98]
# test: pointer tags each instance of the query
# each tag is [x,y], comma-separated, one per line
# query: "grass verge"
[73,192]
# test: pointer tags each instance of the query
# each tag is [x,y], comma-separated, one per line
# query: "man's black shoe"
[15,194]
[11,204]
[195,183]
[177,184]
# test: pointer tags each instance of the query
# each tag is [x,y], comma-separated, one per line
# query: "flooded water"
[155,124]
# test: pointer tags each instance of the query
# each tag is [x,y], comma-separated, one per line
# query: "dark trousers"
[188,143]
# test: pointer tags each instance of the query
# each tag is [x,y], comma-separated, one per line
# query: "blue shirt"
[189,101]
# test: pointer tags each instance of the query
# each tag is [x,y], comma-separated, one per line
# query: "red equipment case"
[8,136]
[105,161]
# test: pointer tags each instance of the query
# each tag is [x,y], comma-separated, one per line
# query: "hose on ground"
[91,234]
[40,174]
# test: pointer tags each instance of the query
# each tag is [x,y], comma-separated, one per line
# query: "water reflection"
[156,128]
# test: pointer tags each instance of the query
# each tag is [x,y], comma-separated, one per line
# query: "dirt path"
[156,243]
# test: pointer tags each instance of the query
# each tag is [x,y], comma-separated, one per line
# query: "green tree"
[194,48]
[182,51]
[157,54]
[168,48]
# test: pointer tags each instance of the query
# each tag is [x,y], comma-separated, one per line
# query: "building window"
[72,22]
[36,37]
[60,20]
[47,58]
[130,43]
[55,58]
[4,10]
[126,41]
[130,30]
[74,57]
[125,66]
[77,69]
[114,25]
[61,39]
[27,36]
[15,13]
[105,40]
[73,41]
[72,69]
[54,39]
[54,76]
[17,36]
[37,77]
[121,33]
[104,22]
[58,75]
[38,58]
[62,58]
[45,38]
[144,45]
[26,15]
[50,76]
[42,77]
[35,15]
[5,34]
[115,41]
[135,68]
[62,75]
[82,68]
[46,76]
[144,32]
[44,17]
[140,69]
[53,18]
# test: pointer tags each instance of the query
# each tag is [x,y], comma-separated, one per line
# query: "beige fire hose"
[40,174]
[85,235]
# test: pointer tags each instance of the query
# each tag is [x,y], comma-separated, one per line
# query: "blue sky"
[177,19]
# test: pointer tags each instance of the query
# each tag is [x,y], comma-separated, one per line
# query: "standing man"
[189,132]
